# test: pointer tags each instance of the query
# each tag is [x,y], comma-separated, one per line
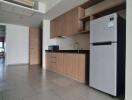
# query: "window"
[1,47]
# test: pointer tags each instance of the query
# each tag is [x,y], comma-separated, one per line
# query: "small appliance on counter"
[53,47]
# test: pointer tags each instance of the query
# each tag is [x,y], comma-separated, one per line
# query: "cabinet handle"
[53,62]
[53,57]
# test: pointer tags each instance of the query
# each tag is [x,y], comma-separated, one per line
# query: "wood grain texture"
[60,66]
[34,46]
[90,3]
[68,23]
[68,64]
[81,67]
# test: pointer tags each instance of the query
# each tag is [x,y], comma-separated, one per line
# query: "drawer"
[54,60]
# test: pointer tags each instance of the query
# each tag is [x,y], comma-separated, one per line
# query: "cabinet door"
[60,67]
[68,64]
[52,28]
[60,26]
[57,26]
[75,67]
[81,67]
[81,13]
[75,20]
[73,23]
[34,46]
[68,23]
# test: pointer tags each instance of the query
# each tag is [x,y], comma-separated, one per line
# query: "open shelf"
[105,12]
[110,10]
[90,3]
[85,18]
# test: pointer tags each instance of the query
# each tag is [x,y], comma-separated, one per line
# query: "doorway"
[2,44]
[35,46]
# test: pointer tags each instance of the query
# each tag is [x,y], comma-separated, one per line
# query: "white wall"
[68,43]
[46,35]
[41,7]
[129,52]
[17,44]
[46,39]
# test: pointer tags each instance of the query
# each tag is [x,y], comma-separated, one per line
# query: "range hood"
[27,3]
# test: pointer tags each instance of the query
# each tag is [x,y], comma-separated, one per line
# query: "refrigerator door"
[104,29]
[103,70]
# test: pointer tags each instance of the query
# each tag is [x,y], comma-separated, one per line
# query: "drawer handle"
[53,62]
[53,57]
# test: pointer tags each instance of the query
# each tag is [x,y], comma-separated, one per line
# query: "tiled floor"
[31,83]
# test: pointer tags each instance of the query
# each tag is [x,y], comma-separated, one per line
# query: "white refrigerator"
[107,54]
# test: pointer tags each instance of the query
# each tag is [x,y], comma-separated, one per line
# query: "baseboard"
[18,64]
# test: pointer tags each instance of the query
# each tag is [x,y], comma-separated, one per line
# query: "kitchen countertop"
[69,51]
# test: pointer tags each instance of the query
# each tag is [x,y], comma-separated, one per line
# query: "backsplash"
[80,41]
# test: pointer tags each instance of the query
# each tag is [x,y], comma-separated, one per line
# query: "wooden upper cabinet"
[52,28]
[68,23]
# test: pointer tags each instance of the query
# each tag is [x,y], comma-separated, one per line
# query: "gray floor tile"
[22,82]
[47,95]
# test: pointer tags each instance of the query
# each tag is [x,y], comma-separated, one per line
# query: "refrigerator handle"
[102,43]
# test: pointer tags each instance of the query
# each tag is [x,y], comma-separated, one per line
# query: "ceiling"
[54,8]
[62,7]
[46,1]
[13,14]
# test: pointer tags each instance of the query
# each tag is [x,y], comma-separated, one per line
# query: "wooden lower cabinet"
[76,67]
[51,62]
[81,67]
[60,67]
[68,64]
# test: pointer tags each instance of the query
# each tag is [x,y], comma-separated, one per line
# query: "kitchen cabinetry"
[54,62]
[68,23]
[51,61]
[68,64]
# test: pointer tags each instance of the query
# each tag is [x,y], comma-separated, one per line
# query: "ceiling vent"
[27,3]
